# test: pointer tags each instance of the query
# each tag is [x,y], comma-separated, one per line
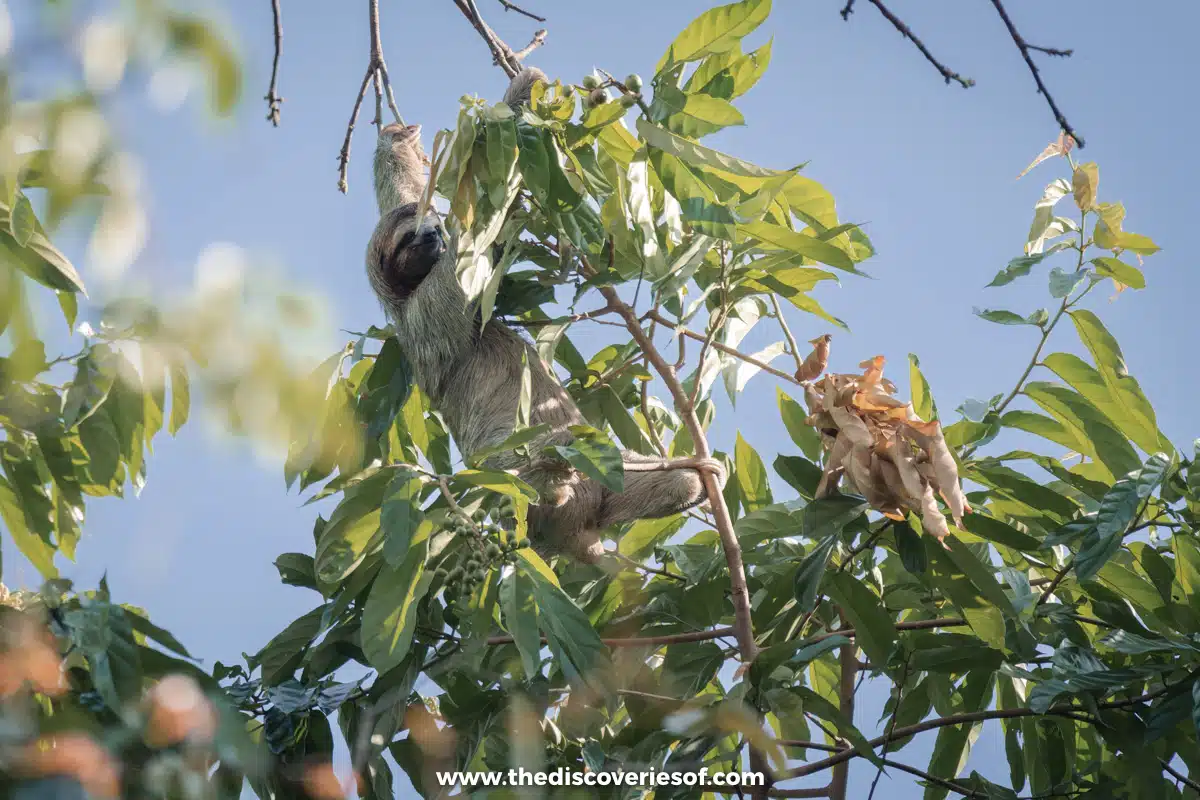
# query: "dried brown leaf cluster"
[884,451]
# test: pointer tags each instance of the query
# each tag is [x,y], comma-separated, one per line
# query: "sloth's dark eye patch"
[407,239]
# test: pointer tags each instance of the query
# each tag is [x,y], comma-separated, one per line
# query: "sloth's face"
[414,248]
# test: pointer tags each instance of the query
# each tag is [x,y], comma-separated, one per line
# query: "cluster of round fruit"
[484,550]
[596,91]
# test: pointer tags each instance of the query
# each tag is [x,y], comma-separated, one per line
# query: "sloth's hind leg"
[656,487]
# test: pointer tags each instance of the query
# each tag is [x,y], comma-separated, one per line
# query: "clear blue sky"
[929,169]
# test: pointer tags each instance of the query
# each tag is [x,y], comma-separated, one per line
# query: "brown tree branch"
[1055,581]
[848,661]
[378,63]
[642,641]
[724,523]
[377,72]
[707,340]
[1025,49]
[1177,775]
[962,719]
[513,7]
[539,39]
[906,32]
[274,101]
[502,54]
[344,155]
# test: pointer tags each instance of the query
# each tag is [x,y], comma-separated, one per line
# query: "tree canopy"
[1027,562]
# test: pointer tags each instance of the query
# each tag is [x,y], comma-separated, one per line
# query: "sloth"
[473,376]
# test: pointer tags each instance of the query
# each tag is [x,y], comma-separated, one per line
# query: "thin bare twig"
[643,641]
[513,7]
[633,564]
[891,728]
[1177,775]
[539,39]
[378,63]
[377,72]
[848,9]
[905,31]
[709,343]
[970,717]
[1058,578]
[1025,49]
[344,155]
[787,332]
[274,101]
[502,54]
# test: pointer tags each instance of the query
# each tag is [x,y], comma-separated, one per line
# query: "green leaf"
[910,548]
[352,528]
[999,532]
[751,476]
[594,454]
[297,569]
[978,572]
[1119,271]
[571,637]
[1089,382]
[874,631]
[520,619]
[922,397]
[38,258]
[1003,317]
[698,155]
[691,115]
[1117,512]
[497,481]
[1093,434]
[180,397]
[390,613]
[534,160]
[23,223]
[401,515]
[1106,353]
[817,705]
[795,654]
[715,31]
[811,571]
[804,435]
[39,551]
[160,635]
[281,656]
[1062,284]
[517,439]
[501,138]
[1018,268]
[730,74]
[952,745]
[802,244]
[1084,181]
[385,389]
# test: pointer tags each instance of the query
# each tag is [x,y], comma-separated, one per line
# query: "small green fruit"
[629,100]
[633,82]
[591,82]
[598,97]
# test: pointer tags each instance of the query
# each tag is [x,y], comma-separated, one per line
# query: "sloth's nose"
[430,236]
